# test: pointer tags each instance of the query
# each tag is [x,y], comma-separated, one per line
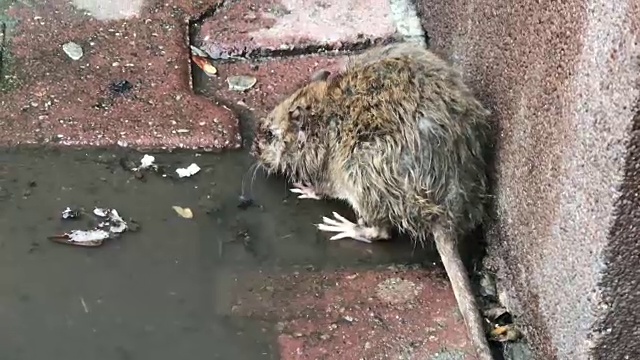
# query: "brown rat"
[399,136]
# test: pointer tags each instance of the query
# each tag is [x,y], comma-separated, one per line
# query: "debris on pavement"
[245,202]
[501,323]
[89,238]
[188,171]
[505,333]
[204,64]
[241,82]
[69,213]
[147,161]
[73,50]
[84,305]
[116,224]
[110,226]
[183,212]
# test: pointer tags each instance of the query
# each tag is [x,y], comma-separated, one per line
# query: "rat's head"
[282,135]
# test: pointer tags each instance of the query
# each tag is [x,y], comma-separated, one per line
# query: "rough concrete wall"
[620,327]
[562,81]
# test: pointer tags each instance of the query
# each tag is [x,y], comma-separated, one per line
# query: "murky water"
[161,292]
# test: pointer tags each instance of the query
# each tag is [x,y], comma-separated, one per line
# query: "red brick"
[246,26]
[344,314]
[56,98]
[276,78]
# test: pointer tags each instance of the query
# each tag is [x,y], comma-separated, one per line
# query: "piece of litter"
[147,161]
[89,238]
[111,226]
[183,212]
[241,82]
[116,224]
[204,64]
[84,305]
[100,212]
[73,50]
[507,333]
[188,171]
[69,213]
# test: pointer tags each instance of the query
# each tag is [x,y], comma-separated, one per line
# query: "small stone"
[73,50]
[241,82]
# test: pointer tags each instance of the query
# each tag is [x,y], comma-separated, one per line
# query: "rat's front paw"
[306,192]
[348,229]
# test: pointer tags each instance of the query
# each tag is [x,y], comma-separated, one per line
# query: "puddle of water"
[111,9]
[156,293]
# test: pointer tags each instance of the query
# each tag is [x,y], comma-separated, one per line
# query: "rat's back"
[413,136]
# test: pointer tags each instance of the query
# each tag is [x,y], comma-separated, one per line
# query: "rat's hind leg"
[348,229]
[305,191]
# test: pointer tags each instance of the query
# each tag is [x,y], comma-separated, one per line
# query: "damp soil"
[154,293]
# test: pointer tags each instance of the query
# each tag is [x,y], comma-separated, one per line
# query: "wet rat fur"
[398,135]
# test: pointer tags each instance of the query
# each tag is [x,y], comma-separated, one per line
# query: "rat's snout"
[261,139]
[255,144]
[255,148]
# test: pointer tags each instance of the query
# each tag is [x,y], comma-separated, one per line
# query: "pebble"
[241,82]
[73,50]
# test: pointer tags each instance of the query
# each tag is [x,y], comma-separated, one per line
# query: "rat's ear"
[295,112]
[321,75]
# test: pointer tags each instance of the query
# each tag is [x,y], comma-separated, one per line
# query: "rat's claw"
[348,229]
[306,192]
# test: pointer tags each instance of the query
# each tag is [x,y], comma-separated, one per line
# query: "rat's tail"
[448,249]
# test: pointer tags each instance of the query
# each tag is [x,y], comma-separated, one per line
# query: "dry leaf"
[204,64]
[183,212]
[505,333]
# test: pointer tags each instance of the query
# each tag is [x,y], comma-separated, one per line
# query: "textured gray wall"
[562,79]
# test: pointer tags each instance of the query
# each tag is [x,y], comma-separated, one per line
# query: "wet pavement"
[186,286]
